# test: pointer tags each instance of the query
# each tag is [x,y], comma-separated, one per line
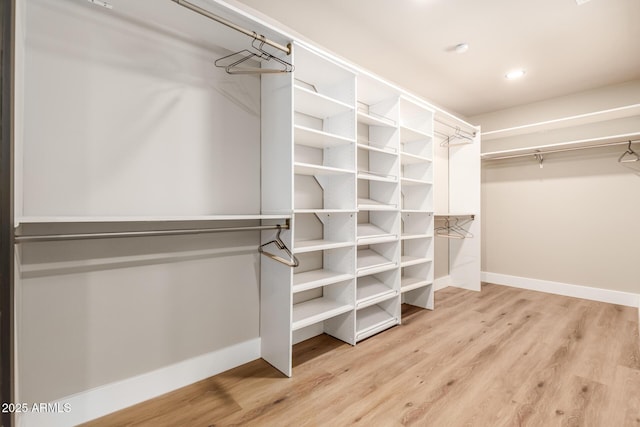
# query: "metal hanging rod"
[26,238]
[538,153]
[286,49]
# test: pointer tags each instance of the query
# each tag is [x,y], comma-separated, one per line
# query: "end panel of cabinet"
[276,309]
[277,143]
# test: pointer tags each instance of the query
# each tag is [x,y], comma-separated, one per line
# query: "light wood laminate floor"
[502,357]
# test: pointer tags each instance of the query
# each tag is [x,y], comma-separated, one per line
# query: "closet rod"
[286,49]
[26,238]
[560,150]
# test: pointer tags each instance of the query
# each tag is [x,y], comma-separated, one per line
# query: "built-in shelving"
[314,170]
[317,310]
[318,245]
[316,104]
[411,283]
[373,319]
[371,290]
[374,205]
[317,278]
[375,120]
[316,138]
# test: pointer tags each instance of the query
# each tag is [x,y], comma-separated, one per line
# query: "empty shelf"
[371,320]
[317,138]
[408,134]
[301,246]
[412,181]
[416,236]
[316,310]
[409,159]
[317,105]
[321,210]
[384,150]
[374,205]
[317,278]
[372,291]
[314,170]
[411,283]
[373,234]
[373,176]
[375,120]
[370,262]
[407,260]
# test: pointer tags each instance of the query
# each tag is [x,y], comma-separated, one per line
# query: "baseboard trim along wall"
[441,283]
[113,397]
[576,291]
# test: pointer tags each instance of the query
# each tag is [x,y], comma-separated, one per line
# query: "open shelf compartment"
[375,258]
[377,318]
[322,231]
[377,226]
[375,288]
[416,225]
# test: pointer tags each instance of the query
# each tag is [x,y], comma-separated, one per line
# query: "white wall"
[576,220]
[129,119]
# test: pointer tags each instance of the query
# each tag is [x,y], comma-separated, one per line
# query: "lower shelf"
[370,261]
[316,310]
[410,283]
[372,291]
[371,320]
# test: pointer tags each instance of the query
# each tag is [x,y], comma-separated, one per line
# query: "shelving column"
[323,291]
[378,229]
[416,158]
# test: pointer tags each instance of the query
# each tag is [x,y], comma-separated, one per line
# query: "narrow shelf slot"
[371,320]
[410,159]
[369,261]
[303,246]
[407,260]
[317,278]
[375,120]
[370,233]
[409,134]
[374,205]
[317,310]
[411,181]
[314,170]
[384,150]
[374,176]
[410,283]
[316,104]
[317,138]
[371,291]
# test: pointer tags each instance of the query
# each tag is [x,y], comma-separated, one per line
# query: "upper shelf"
[315,170]
[317,138]
[316,104]
[123,219]
[409,134]
[375,120]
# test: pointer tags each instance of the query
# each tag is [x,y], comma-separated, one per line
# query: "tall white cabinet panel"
[416,158]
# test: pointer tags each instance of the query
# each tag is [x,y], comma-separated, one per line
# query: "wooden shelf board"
[317,138]
[374,205]
[373,120]
[410,283]
[369,261]
[371,320]
[302,246]
[370,176]
[316,310]
[121,219]
[317,278]
[372,291]
[316,104]
[411,159]
[407,260]
[410,134]
[413,182]
[313,170]
[384,150]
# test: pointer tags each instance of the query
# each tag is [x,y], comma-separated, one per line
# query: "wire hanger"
[454,231]
[291,262]
[635,157]
[233,63]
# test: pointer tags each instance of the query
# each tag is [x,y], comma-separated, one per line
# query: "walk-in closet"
[201,203]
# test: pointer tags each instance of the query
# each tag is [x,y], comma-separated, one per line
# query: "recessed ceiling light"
[462,47]
[515,74]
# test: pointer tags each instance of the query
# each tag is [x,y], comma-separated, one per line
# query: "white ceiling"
[565,48]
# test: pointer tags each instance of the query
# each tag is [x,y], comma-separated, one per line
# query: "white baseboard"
[112,397]
[576,291]
[441,283]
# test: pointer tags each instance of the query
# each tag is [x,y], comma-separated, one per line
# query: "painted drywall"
[575,220]
[134,120]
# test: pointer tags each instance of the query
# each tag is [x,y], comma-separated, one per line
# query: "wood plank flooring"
[501,357]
